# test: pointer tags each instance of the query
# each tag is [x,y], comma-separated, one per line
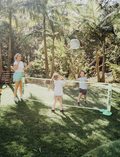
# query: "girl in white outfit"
[58,90]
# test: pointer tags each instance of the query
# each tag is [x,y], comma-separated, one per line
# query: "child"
[82,87]
[58,91]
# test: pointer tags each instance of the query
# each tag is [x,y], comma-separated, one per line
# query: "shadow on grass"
[3,86]
[29,126]
[96,97]
[11,87]
[116,97]
[110,149]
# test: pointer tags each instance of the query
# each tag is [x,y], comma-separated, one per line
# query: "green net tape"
[68,81]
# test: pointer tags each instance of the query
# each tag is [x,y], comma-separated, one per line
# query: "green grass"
[96,95]
[111,149]
[27,126]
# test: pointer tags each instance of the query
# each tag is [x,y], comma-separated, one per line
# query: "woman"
[17,77]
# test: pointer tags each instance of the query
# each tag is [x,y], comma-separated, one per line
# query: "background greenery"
[41,31]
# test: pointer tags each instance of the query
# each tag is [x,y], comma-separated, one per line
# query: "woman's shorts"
[17,76]
[83,91]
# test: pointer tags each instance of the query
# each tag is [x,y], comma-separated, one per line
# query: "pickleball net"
[98,94]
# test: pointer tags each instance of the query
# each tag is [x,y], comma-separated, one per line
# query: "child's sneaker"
[78,103]
[85,102]
[52,110]
[16,99]
[62,110]
[21,99]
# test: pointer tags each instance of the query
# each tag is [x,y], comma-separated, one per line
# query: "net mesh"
[97,93]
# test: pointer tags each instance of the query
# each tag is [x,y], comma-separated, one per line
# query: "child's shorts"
[83,91]
[17,76]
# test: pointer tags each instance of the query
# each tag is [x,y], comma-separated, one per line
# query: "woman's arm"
[16,66]
[27,66]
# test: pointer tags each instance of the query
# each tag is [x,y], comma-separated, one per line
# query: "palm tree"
[39,10]
[10,7]
[1,34]
[54,35]
[97,26]
[55,30]
[0,61]
[45,46]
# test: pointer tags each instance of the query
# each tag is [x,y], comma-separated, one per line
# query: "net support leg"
[107,112]
[23,85]
[109,97]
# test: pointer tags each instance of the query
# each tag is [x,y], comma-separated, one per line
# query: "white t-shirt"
[58,91]
[82,85]
[20,67]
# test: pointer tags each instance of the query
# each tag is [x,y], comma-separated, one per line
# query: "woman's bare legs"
[20,88]
[16,88]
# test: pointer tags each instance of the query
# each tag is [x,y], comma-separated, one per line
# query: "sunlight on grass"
[111,149]
[96,95]
[15,148]
[27,126]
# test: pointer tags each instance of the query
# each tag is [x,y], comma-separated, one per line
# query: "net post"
[23,85]
[109,97]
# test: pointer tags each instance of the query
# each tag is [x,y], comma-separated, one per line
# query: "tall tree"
[42,11]
[97,26]
[10,7]
[37,11]
[1,11]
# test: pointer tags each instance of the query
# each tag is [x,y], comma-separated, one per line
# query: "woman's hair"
[54,77]
[15,57]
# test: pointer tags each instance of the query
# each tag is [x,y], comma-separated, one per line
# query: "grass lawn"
[29,129]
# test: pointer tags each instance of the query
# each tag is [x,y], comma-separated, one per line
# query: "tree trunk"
[10,35]
[52,70]
[0,62]
[97,67]
[103,67]
[45,48]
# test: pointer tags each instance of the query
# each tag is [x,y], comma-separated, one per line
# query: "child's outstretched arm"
[65,81]
[86,80]
[62,78]
[50,84]
[76,76]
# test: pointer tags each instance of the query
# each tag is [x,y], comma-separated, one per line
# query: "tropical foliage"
[41,31]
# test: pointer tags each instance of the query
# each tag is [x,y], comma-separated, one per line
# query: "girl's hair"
[54,77]
[15,57]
